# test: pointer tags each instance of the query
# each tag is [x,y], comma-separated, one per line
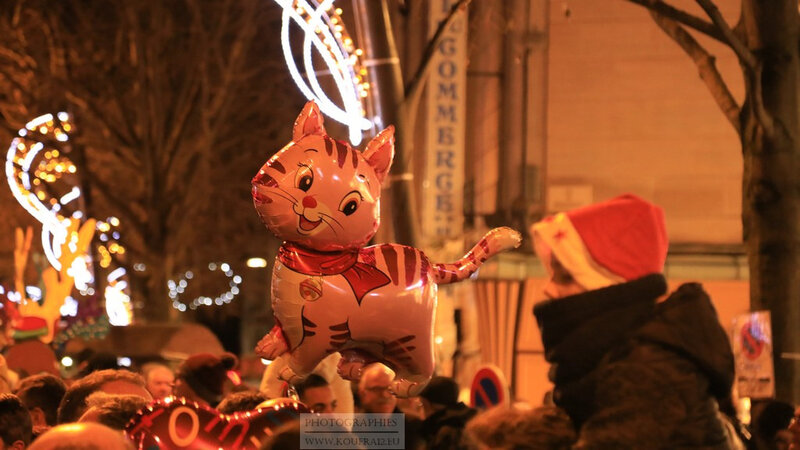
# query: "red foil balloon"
[329,292]
[174,423]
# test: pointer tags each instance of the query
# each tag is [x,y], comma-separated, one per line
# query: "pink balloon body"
[329,292]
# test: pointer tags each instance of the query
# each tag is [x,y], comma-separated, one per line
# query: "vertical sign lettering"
[443,192]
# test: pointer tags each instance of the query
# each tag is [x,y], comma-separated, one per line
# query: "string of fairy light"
[323,30]
[33,170]
[176,288]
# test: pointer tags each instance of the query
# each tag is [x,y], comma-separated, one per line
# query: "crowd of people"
[633,366]
[47,412]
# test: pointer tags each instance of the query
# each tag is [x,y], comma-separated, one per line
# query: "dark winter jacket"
[635,374]
[443,429]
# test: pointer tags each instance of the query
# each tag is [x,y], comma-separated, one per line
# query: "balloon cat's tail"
[492,243]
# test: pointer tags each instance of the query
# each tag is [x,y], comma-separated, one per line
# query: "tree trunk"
[156,303]
[157,308]
[771,221]
[771,182]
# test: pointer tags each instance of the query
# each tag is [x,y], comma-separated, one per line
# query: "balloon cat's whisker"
[290,196]
[329,225]
[284,195]
[323,215]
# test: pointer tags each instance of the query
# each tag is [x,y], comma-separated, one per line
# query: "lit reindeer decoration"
[38,319]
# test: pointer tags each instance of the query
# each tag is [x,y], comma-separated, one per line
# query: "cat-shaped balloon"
[329,292]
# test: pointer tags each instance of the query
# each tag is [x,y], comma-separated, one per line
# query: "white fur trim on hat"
[558,236]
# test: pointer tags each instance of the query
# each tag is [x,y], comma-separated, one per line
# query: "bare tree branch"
[183,106]
[91,108]
[123,153]
[706,68]
[755,86]
[683,17]
[120,204]
[744,54]
[752,65]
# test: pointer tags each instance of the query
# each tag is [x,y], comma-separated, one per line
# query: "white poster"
[752,350]
[443,188]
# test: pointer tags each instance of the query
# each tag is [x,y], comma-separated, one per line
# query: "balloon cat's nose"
[309,202]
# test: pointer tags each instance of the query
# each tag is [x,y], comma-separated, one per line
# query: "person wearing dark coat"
[632,368]
[445,416]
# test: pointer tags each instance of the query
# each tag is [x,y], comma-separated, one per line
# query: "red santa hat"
[605,243]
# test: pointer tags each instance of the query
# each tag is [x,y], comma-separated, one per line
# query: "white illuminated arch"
[19,162]
[334,50]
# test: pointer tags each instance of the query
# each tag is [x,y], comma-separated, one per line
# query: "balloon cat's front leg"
[313,348]
[272,345]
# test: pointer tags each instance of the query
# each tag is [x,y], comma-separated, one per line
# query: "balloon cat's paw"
[402,388]
[350,369]
[272,345]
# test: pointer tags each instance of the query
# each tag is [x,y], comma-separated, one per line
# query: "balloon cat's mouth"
[307,225]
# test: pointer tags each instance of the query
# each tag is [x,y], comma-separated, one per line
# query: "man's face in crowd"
[160,381]
[319,399]
[375,396]
[561,283]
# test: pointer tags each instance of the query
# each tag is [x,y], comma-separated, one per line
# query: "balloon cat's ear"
[308,122]
[380,152]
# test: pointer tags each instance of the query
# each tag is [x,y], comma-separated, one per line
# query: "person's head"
[202,377]
[83,436]
[15,423]
[159,379]
[113,411]
[41,395]
[98,361]
[241,401]
[110,381]
[440,393]
[373,389]
[317,394]
[599,245]
[770,423]
[542,428]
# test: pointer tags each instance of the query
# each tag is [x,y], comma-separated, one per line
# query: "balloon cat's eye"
[304,178]
[350,203]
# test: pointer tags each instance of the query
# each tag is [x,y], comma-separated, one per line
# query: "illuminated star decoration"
[179,287]
[33,168]
[322,28]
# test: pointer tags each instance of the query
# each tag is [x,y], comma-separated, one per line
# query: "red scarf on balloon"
[361,276]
